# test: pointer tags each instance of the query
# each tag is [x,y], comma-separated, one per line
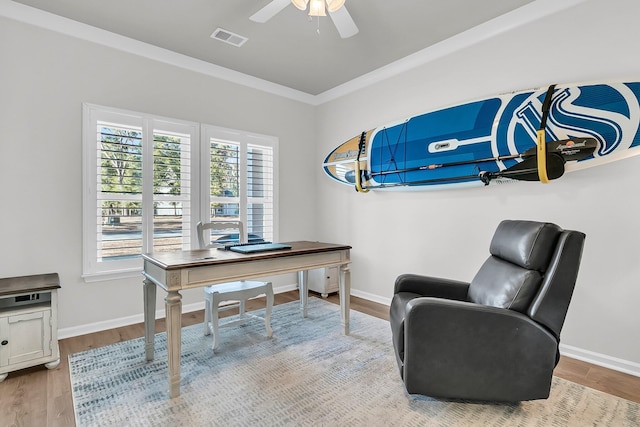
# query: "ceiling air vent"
[228,37]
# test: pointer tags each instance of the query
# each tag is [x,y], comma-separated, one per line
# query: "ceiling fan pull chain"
[318,30]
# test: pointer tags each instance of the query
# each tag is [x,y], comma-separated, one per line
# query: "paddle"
[572,149]
[542,146]
[527,170]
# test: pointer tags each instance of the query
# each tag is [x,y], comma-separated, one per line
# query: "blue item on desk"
[227,246]
[258,247]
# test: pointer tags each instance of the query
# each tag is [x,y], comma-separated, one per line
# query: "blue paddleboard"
[455,146]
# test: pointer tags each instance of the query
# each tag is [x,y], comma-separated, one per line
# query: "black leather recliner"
[496,338]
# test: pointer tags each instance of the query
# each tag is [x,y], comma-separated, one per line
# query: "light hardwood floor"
[37,397]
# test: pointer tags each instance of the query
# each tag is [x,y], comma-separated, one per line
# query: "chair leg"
[207,313]
[214,322]
[242,308]
[267,311]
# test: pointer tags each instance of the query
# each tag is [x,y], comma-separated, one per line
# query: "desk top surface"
[204,257]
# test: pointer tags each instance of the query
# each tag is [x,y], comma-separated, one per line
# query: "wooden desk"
[178,270]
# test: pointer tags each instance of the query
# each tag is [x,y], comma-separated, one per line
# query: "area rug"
[308,374]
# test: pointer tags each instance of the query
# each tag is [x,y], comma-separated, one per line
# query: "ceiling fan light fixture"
[300,4]
[339,15]
[316,8]
[333,5]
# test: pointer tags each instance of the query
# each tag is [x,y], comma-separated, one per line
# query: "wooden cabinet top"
[26,284]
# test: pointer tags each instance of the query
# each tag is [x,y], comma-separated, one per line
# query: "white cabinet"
[324,280]
[28,322]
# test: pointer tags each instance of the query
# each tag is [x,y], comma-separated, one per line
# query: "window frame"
[200,196]
[92,268]
[244,140]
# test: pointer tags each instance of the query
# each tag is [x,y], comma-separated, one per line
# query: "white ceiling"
[288,50]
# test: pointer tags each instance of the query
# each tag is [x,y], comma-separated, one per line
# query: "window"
[148,180]
[241,180]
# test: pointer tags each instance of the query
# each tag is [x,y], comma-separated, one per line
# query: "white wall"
[447,233]
[44,79]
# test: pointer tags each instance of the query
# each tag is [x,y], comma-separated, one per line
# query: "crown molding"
[531,12]
[62,25]
[516,18]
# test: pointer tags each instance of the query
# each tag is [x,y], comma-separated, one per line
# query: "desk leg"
[303,287]
[345,296]
[173,304]
[149,291]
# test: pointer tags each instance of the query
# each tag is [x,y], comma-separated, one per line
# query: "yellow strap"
[542,157]
[359,187]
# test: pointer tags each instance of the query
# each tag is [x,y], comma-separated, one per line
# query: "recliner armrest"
[475,350]
[432,287]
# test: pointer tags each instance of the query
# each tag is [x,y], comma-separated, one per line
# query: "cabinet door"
[28,337]
[333,276]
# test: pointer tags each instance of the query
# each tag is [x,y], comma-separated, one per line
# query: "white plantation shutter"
[241,180]
[147,181]
[260,190]
[171,191]
[119,195]
[137,179]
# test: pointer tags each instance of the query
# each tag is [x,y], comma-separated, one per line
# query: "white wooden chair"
[233,291]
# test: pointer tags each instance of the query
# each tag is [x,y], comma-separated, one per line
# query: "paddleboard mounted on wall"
[531,135]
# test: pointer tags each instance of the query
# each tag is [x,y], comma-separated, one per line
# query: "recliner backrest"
[520,255]
[528,244]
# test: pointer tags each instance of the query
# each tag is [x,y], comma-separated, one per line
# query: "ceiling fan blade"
[343,22]
[269,11]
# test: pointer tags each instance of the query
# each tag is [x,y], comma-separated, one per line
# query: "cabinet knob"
[5,342]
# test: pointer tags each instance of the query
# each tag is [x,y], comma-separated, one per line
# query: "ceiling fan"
[338,13]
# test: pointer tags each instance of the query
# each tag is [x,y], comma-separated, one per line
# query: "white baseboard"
[371,297]
[599,359]
[90,328]
[588,356]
